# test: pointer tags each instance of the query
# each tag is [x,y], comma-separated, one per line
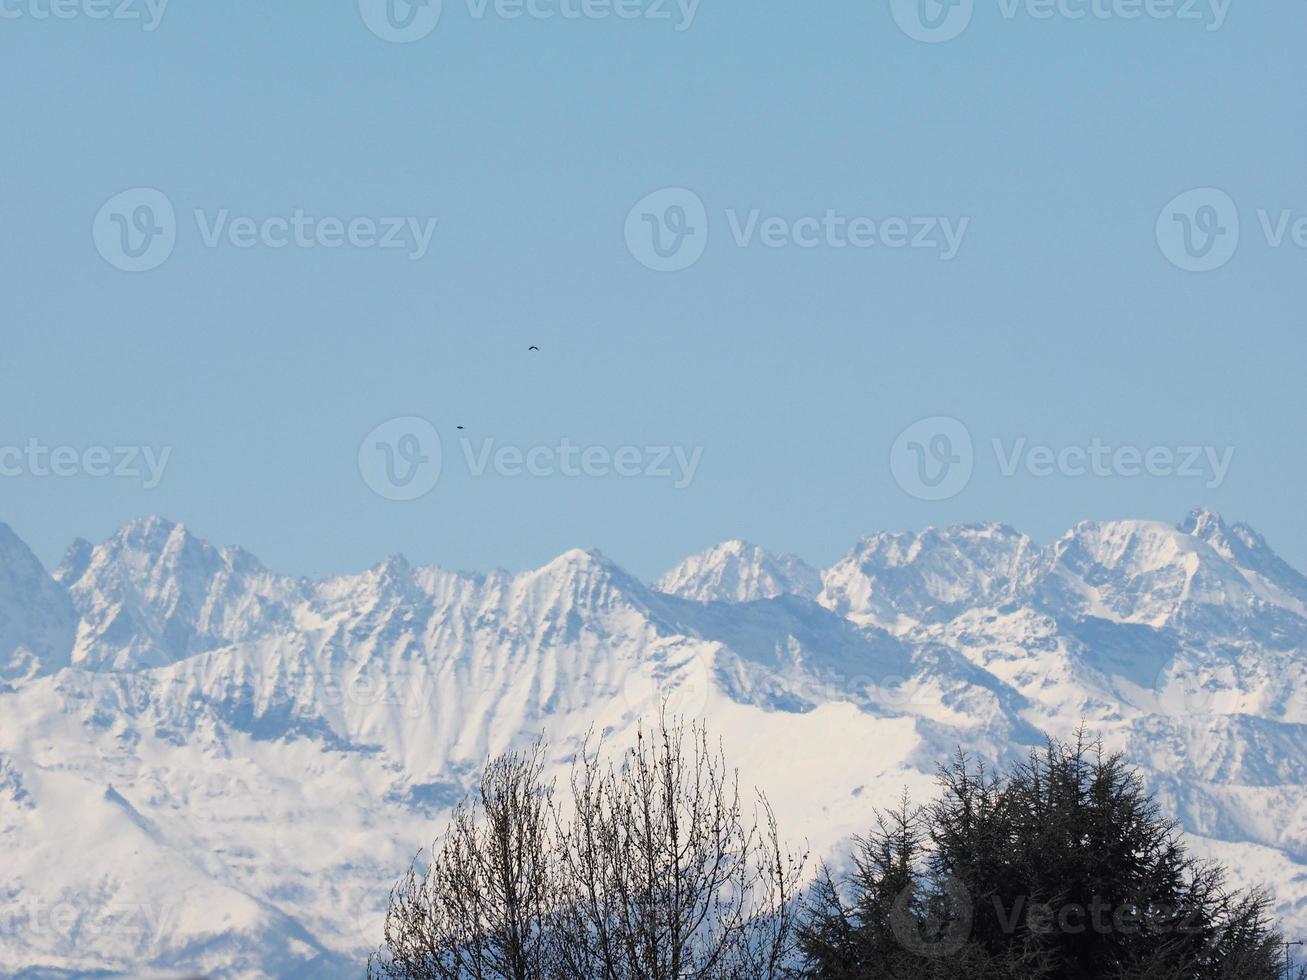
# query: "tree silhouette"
[667,877]
[654,871]
[1062,867]
[481,908]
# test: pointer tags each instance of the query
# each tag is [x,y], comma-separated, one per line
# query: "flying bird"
[533,347]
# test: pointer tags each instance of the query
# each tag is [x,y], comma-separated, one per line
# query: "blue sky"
[1056,142]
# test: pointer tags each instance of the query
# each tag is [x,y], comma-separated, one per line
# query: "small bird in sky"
[460,428]
[533,347]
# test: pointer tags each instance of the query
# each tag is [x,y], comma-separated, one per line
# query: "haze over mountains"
[205,765]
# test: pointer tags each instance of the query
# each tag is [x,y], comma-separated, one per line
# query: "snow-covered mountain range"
[208,766]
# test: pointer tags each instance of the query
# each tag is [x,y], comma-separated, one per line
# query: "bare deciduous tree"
[665,875]
[481,908]
[657,872]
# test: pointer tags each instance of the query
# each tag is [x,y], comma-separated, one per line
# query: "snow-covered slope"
[207,766]
[37,620]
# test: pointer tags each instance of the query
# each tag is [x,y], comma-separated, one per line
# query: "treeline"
[655,866]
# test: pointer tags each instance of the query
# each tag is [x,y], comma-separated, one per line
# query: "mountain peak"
[581,557]
[394,565]
[150,532]
[75,561]
[580,567]
[1129,550]
[37,620]
[737,571]
[903,547]
[1244,547]
[156,593]
[1235,542]
[1203,523]
[738,546]
[896,579]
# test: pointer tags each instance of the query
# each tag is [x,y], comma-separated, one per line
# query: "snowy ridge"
[206,766]
[736,571]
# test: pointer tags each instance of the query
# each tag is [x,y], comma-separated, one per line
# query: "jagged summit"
[578,559]
[1246,548]
[1203,522]
[576,582]
[737,571]
[898,579]
[154,593]
[242,717]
